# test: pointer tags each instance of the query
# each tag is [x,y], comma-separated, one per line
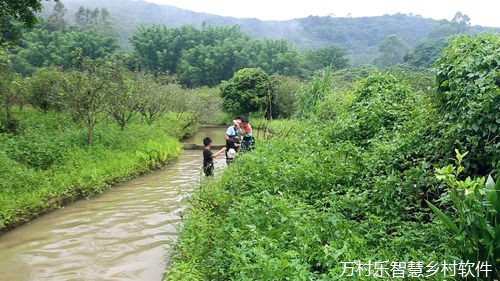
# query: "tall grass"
[49,163]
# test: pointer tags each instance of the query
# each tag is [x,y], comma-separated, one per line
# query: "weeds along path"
[122,234]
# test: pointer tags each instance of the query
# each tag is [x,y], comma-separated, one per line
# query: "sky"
[481,12]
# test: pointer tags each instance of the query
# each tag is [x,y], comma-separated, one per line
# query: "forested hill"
[359,36]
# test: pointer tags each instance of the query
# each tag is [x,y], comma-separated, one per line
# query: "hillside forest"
[373,160]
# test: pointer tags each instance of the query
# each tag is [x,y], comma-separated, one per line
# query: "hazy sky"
[481,12]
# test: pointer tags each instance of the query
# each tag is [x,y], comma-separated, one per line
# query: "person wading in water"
[208,156]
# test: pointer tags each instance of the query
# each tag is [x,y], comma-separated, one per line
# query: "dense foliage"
[468,75]
[357,36]
[371,183]
[83,121]
[13,13]
[392,51]
[210,55]
[63,48]
[248,91]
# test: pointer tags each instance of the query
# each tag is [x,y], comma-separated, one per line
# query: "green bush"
[248,91]
[468,77]
[37,151]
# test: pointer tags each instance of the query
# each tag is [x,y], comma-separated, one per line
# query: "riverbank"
[48,164]
[124,233]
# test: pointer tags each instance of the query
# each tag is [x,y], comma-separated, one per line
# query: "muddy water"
[122,234]
[216,134]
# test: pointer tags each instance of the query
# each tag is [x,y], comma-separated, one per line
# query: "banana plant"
[477,222]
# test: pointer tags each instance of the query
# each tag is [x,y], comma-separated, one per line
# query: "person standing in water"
[208,156]
[248,139]
[232,132]
[231,152]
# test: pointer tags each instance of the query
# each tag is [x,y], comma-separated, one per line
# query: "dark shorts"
[208,170]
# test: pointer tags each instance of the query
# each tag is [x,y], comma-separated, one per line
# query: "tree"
[392,51]
[318,59]
[210,55]
[43,48]
[198,66]
[56,21]
[273,56]
[46,84]
[249,90]
[97,19]
[160,48]
[121,97]
[427,52]
[459,24]
[286,92]
[462,21]
[6,95]
[154,98]
[13,89]
[84,96]
[14,12]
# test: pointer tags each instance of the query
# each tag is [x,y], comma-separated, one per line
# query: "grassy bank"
[294,210]
[326,196]
[49,164]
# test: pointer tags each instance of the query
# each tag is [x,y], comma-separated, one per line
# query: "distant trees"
[209,55]
[46,83]
[459,24]
[56,20]
[159,48]
[41,48]
[321,58]
[392,51]
[54,43]
[87,19]
[427,52]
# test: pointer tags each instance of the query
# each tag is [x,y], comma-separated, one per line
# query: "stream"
[122,234]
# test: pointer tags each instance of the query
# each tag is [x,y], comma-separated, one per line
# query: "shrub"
[249,90]
[468,76]
[381,104]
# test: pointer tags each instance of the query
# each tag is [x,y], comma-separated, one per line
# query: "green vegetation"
[357,37]
[50,164]
[365,183]
[477,204]
[210,55]
[392,51]
[248,91]
[360,171]
[13,14]
[469,98]
[78,122]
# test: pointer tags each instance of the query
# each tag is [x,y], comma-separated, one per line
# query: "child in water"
[231,151]
[248,139]
[208,156]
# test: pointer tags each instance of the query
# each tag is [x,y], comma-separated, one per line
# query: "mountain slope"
[358,36]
